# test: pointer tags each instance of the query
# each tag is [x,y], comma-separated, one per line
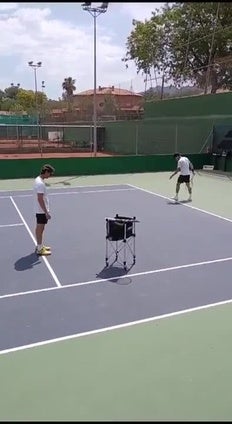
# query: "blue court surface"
[182,253]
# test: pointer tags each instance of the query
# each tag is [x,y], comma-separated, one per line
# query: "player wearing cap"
[41,207]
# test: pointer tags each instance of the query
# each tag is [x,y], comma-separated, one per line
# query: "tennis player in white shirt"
[41,207]
[186,169]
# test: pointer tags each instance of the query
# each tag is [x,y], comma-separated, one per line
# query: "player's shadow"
[185,201]
[179,202]
[115,274]
[27,262]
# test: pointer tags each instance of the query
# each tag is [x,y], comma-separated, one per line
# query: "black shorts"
[41,218]
[183,179]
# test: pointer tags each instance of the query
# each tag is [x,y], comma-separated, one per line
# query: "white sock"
[39,246]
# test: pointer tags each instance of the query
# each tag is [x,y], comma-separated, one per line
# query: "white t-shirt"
[184,165]
[40,187]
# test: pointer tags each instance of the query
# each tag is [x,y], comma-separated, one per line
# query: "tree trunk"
[70,103]
[214,82]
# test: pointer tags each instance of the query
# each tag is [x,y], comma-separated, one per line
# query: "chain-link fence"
[159,136]
[146,137]
[27,138]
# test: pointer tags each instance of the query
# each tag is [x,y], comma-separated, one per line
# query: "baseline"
[114,327]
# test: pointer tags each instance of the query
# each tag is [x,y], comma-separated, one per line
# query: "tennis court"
[79,341]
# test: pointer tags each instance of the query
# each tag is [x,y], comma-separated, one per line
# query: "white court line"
[114,327]
[183,204]
[11,225]
[120,277]
[72,192]
[64,188]
[31,235]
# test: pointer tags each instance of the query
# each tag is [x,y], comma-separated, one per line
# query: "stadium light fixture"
[95,12]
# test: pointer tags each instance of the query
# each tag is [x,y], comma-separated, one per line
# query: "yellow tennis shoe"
[43,251]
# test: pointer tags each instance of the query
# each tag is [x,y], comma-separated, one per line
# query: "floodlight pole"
[94,84]
[35,66]
[95,12]
[43,108]
[43,86]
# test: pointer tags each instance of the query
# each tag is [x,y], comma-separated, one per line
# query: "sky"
[60,35]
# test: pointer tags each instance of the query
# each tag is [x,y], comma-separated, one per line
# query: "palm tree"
[68,86]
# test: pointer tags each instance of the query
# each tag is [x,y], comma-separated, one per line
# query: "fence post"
[136,139]
[207,140]
[17,136]
[176,137]
[91,139]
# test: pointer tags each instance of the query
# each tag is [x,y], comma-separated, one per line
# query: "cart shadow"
[116,274]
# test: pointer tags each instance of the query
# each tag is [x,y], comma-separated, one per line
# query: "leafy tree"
[26,98]
[18,100]
[11,92]
[2,95]
[29,102]
[182,41]
[68,86]
[17,108]
[7,104]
